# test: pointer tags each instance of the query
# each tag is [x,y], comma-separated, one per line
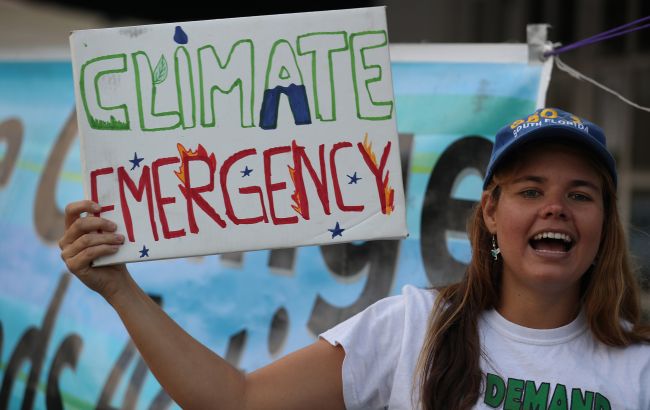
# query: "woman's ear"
[489,207]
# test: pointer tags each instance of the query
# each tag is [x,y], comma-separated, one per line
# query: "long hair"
[448,372]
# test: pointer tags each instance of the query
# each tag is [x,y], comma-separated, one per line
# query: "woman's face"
[548,220]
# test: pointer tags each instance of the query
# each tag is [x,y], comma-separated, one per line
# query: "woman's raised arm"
[193,375]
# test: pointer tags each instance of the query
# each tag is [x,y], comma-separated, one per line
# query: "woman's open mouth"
[550,241]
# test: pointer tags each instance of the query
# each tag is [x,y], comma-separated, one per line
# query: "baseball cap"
[550,124]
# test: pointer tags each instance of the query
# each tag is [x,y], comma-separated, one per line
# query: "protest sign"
[240,134]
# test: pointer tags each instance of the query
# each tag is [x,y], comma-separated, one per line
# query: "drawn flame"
[200,151]
[297,205]
[389,192]
[367,146]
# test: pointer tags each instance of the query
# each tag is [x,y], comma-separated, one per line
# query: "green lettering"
[99,116]
[224,77]
[320,45]
[559,399]
[513,394]
[284,73]
[580,402]
[601,403]
[147,81]
[278,73]
[185,82]
[365,73]
[536,399]
[495,390]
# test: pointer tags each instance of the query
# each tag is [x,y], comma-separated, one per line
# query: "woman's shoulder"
[419,297]
[637,352]
[395,310]
[411,302]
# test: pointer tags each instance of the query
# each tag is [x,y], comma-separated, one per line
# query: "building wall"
[622,64]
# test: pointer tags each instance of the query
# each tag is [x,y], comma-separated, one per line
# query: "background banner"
[61,344]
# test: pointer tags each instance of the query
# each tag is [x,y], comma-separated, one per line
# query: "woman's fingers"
[89,240]
[74,210]
[82,226]
[82,260]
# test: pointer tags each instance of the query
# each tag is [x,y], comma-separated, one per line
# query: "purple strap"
[606,35]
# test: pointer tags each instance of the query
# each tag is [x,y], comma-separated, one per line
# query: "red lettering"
[93,188]
[144,186]
[193,194]
[307,169]
[271,187]
[225,168]
[162,201]
[335,180]
[377,172]
[300,157]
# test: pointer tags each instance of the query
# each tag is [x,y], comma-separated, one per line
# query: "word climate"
[115,88]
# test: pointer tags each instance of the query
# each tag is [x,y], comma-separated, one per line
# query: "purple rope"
[606,35]
[615,29]
[584,42]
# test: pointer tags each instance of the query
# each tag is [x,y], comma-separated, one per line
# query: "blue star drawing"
[144,252]
[354,178]
[135,161]
[246,172]
[337,231]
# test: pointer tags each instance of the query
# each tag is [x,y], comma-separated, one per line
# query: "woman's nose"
[554,209]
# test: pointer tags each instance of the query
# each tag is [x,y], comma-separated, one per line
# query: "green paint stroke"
[38,168]
[113,124]
[73,402]
[422,162]
[70,401]
[458,114]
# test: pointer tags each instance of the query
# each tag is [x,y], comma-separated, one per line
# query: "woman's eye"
[530,193]
[579,197]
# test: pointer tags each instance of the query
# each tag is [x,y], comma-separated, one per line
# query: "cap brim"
[550,133]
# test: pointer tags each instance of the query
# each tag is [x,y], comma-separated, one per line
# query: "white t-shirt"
[563,368]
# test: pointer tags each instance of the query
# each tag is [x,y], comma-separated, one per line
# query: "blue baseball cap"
[549,124]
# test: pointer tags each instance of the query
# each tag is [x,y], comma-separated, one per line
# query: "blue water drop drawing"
[179,35]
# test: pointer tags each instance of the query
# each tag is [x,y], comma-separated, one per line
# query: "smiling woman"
[549,275]
[548,220]
[547,315]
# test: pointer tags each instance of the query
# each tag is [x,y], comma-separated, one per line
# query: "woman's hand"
[87,238]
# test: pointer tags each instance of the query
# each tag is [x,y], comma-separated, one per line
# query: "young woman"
[546,317]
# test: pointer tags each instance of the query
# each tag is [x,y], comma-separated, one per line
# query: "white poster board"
[240,134]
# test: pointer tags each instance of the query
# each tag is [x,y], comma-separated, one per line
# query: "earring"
[495,251]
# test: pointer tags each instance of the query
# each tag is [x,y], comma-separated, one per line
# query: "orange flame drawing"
[367,146]
[297,203]
[200,152]
[389,192]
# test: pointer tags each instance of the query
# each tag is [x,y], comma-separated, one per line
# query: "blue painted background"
[211,298]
